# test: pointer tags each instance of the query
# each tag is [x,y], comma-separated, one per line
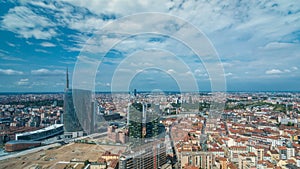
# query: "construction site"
[61,156]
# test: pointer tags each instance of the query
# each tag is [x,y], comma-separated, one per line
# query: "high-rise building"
[70,120]
[150,155]
[142,123]
[78,110]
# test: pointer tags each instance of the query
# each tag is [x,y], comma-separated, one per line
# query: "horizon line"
[147,91]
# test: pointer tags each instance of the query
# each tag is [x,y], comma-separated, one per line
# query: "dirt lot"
[49,158]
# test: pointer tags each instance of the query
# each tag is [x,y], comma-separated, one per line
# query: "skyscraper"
[78,110]
[142,123]
[70,120]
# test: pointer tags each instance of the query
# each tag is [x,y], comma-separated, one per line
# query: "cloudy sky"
[257,44]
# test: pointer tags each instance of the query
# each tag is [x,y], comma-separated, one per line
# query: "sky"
[255,45]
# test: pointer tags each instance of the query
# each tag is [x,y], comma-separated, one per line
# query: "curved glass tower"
[78,110]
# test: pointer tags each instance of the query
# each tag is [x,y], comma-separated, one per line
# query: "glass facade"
[142,123]
[71,122]
[79,111]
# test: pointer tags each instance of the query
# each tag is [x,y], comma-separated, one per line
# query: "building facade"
[142,123]
[151,155]
[79,111]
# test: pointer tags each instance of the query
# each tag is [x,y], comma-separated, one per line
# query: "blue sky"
[258,43]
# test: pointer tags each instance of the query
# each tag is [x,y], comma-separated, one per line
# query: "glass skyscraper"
[142,123]
[78,110]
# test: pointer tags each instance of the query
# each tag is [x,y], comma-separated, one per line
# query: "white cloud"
[171,71]
[47,44]
[88,24]
[273,71]
[43,5]
[47,72]
[228,74]
[124,70]
[120,7]
[266,19]
[200,73]
[23,21]
[278,71]
[209,16]
[39,84]
[245,34]
[10,72]
[278,45]
[88,60]
[5,55]
[23,82]
[188,73]
[12,58]
[41,50]
[11,44]
[29,43]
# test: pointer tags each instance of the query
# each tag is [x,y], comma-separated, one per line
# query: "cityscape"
[256,129]
[149,85]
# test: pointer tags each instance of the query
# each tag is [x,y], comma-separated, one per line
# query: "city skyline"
[257,43]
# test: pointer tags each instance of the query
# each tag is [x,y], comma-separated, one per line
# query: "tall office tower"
[78,110]
[85,109]
[150,155]
[143,124]
[135,122]
[71,122]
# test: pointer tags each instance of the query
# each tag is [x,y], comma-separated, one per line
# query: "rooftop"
[54,126]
